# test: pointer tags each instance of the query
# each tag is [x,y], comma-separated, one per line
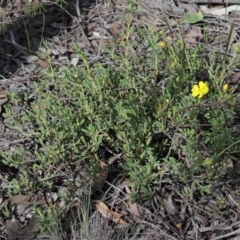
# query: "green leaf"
[193,18]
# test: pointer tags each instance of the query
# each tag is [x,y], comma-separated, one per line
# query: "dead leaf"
[15,231]
[43,63]
[21,204]
[114,30]
[201,219]
[169,205]
[102,176]
[172,211]
[31,230]
[194,36]
[27,207]
[225,11]
[206,10]
[2,95]
[3,101]
[107,213]
[133,208]
[102,164]
[12,229]
[114,158]
[18,199]
[74,61]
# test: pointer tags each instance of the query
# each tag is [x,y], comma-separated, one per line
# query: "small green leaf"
[193,18]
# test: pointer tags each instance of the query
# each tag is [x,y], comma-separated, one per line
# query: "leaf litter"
[202,218]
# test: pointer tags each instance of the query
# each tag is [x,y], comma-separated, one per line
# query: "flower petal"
[201,94]
[208,161]
[163,44]
[195,90]
[225,87]
[205,90]
[203,87]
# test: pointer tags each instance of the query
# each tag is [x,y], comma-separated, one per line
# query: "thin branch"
[226,235]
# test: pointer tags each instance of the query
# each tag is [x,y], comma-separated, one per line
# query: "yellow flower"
[235,48]
[163,44]
[161,32]
[208,161]
[200,90]
[174,63]
[225,87]
[159,106]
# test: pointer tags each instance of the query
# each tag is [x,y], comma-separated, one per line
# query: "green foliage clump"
[141,105]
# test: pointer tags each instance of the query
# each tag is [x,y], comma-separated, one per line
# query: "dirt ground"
[92,24]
